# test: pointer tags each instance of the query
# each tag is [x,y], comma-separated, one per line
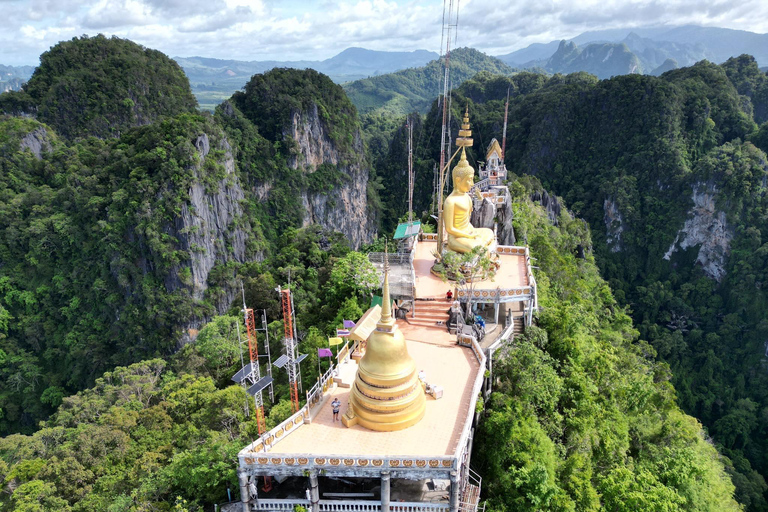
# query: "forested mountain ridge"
[101,86]
[581,417]
[670,172]
[104,243]
[414,89]
[654,49]
[115,249]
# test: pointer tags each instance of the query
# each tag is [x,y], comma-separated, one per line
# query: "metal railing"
[315,393]
[280,505]
[288,505]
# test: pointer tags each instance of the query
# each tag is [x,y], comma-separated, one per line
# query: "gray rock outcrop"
[707,228]
[486,214]
[614,225]
[37,141]
[550,203]
[345,207]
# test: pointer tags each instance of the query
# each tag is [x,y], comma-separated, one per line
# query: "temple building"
[408,382]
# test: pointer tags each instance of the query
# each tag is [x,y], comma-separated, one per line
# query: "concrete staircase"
[431,313]
[346,374]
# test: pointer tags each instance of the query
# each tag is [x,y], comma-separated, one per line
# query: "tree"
[466,270]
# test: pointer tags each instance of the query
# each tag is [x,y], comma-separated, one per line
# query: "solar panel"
[260,385]
[281,361]
[301,358]
[244,372]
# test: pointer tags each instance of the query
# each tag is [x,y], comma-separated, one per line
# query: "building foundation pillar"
[385,490]
[314,492]
[454,506]
[245,496]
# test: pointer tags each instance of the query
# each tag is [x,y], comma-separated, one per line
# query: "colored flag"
[342,332]
[324,352]
[348,324]
[335,341]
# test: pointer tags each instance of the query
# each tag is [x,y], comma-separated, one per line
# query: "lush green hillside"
[630,155]
[582,417]
[415,89]
[102,86]
[118,249]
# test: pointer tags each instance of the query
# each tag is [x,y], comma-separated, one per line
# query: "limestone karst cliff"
[343,207]
[318,170]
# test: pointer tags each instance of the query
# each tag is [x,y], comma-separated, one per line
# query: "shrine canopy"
[407,229]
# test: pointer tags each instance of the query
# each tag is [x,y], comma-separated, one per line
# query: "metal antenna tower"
[267,353]
[290,359]
[250,372]
[411,176]
[504,133]
[450,28]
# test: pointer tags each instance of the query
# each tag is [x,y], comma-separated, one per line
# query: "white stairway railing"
[288,505]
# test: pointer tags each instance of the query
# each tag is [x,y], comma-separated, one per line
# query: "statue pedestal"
[466,270]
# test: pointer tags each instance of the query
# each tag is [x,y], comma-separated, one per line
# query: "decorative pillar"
[385,488]
[245,497]
[454,491]
[314,491]
[496,312]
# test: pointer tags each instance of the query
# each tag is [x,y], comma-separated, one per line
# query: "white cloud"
[296,29]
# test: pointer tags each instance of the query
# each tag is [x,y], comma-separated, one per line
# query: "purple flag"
[324,352]
[348,324]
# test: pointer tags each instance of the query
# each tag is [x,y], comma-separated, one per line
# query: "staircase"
[431,313]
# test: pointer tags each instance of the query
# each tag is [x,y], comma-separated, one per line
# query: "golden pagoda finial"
[386,302]
[465,134]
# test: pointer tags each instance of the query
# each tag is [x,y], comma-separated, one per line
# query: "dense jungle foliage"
[97,280]
[98,265]
[102,86]
[585,416]
[642,146]
[582,417]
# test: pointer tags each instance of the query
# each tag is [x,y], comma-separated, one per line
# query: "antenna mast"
[450,25]
[291,362]
[411,177]
[250,372]
[504,133]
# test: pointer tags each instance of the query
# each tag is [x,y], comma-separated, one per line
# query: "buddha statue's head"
[463,174]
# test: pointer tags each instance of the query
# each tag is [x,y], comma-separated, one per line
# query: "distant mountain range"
[214,80]
[604,53]
[607,53]
[12,77]
[414,89]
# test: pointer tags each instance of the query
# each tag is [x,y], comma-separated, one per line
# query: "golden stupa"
[387,394]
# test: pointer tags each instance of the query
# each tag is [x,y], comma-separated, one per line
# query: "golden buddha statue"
[387,394]
[457,211]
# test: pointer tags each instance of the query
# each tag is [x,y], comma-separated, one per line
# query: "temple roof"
[493,147]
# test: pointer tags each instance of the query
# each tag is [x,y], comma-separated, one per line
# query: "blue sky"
[294,30]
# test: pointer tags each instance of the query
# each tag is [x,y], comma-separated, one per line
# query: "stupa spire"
[386,302]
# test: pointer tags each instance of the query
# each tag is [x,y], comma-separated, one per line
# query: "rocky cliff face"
[707,228]
[486,214]
[345,207]
[37,141]
[550,203]
[614,225]
[212,229]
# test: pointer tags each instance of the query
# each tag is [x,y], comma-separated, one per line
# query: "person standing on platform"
[335,405]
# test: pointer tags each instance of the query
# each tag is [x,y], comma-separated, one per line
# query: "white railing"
[288,505]
[315,393]
[280,505]
[462,445]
